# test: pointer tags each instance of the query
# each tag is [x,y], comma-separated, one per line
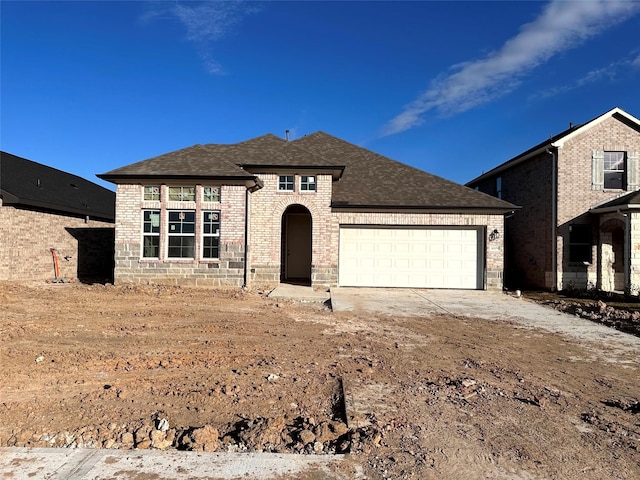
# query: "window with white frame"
[285,183]
[614,170]
[182,194]
[150,233]
[152,193]
[211,194]
[308,183]
[211,234]
[181,234]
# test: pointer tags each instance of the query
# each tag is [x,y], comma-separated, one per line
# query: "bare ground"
[440,397]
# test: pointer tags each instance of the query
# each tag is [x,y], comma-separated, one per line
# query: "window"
[152,193]
[181,237]
[151,233]
[308,183]
[211,234]
[211,194]
[499,187]
[285,183]
[580,243]
[614,170]
[182,194]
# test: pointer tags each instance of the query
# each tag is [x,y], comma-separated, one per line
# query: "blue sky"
[453,88]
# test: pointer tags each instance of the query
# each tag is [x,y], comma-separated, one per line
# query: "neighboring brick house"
[317,210]
[579,226]
[43,208]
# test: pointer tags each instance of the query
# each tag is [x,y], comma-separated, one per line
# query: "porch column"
[632,252]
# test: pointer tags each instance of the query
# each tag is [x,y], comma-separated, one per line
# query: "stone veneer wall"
[130,267]
[26,235]
[494,249]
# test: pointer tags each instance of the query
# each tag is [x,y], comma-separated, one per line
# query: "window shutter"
[632,171]
[597,170]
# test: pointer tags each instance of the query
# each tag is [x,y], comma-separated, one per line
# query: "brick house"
[317,210]
[43,208]
[579,226]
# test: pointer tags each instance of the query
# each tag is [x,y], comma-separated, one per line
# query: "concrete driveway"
[488,305]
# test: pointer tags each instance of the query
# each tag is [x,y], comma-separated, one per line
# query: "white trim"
[578,131]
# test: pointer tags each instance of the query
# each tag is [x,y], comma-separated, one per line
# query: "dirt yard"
[421,398]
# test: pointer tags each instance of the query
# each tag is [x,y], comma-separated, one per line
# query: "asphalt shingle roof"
[372,180]
[368,179]
[25,182]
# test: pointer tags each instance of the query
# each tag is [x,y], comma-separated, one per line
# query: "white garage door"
[410,257]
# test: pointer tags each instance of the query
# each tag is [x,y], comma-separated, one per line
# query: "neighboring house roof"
[366,179]
[559,140]
[628,201]
[372,180]
[28,183]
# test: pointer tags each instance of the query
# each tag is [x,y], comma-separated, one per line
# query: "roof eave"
[428,208]
[118,178]
[13,200]
[617,208]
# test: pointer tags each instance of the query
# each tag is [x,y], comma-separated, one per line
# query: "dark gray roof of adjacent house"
[27,183]
[372,180]
[366,179]
[623,202]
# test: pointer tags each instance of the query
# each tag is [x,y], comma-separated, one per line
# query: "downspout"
[554,217]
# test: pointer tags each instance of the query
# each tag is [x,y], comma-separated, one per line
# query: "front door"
[297,244]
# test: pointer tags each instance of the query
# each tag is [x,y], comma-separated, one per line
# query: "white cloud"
[205,22]
[561,25]
[610,71]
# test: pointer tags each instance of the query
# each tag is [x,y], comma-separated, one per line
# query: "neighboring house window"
[580,243]
[285,183]
[499,187]
[211,194]
[308,183]
[181,235]
[182,194]
[614,170]
[152,193]
[211,234]
[151,233]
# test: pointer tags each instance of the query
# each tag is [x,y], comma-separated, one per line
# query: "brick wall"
[130,267]
[528,244]
[266,207]
[575,195]
[26,235]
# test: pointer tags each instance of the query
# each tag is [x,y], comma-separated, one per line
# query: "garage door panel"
[405,257]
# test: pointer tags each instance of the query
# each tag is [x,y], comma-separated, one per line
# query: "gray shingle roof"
[624,202]
[28,183]
[372,180]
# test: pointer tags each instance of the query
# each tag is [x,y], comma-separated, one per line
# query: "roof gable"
[25,182]
[558,140]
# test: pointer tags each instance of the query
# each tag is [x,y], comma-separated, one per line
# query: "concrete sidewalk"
[94,464]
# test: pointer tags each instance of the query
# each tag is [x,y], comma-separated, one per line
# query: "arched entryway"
[296,245]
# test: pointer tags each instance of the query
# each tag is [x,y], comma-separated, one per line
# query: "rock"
[141,434]
[306,436]
[468,382]
[144,445]
[109,443]
[602,307]
[318,447]
[203,439]
[272,377]
[39,359]
[127,439]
